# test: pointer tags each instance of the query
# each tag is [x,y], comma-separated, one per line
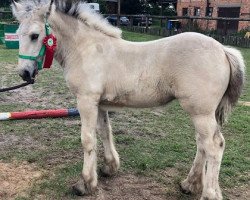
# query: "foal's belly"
[135,100]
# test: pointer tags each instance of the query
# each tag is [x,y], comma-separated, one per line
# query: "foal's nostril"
[26,75]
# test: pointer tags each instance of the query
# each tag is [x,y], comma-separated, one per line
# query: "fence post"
[190,21]
[118,13]
[131,21]
[167,29]
[146,24]
[166,22]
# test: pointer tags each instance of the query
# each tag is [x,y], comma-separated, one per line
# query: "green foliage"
[132,7]
[169,12]
[4,3]
[156,7]
[242,32]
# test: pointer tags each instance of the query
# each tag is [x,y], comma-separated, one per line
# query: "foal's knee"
[214,146]
[212,143]
[219,140]
[88,142]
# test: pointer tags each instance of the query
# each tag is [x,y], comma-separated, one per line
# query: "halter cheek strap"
[39,58]
[45,57]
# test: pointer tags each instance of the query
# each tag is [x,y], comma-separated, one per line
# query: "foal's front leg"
[88,109]
[111,157]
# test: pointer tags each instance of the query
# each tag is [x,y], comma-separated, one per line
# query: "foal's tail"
[235,85]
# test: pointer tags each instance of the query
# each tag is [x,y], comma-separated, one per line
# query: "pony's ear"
[43,10]
[17,9]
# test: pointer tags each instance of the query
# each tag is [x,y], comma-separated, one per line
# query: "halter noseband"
[47,50]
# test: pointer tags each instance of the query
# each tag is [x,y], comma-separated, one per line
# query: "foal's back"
[153,73]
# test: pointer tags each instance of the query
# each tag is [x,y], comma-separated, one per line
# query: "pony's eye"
[34,37]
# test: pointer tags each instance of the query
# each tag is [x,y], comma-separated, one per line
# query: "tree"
[161,7]
[5,3]
[132,6]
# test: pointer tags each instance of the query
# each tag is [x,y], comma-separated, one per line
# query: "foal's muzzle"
[27,75]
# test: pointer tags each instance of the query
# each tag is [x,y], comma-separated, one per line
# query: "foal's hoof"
[84,188]
[184,190]
[190,188]
[211,194]
[79,188]
[108,170]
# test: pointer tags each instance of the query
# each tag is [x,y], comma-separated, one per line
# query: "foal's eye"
[34,37]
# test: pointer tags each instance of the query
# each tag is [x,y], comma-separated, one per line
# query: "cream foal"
[105,72]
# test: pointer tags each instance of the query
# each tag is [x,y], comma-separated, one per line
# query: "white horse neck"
[73,35]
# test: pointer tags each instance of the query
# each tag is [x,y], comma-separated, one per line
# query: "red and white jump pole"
[38,114]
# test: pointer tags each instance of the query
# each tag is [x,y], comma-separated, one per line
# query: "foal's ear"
[45,9]
[17,9]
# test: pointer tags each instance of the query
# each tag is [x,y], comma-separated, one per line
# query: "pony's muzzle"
[27,75]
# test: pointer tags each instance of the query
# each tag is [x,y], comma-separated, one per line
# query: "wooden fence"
[234,39]
[162,30]
[6,16]
[238,41]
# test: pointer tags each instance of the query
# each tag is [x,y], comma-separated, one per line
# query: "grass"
[139,37]
[8,56]
[246,55]
[148,141]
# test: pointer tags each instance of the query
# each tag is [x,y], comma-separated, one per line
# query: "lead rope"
[17,86]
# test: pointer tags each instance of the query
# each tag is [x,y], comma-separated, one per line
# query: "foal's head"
[31,16]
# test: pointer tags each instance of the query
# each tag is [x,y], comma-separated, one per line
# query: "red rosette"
[50,44]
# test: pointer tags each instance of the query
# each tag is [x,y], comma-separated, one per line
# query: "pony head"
[31,16]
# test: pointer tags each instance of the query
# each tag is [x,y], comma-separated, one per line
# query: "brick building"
[217,8]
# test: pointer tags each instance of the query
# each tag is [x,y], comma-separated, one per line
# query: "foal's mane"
[79,10]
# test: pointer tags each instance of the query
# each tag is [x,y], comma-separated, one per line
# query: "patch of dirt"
[10,67]
[133,187]
[34,97]
[128,187]
[169,173]
[25,95]
[241,193]
[16,179]
[11,140]
[71,122]
[62,158]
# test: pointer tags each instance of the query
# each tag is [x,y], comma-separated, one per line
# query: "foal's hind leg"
[111,157]
[210,145]
[195,180]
